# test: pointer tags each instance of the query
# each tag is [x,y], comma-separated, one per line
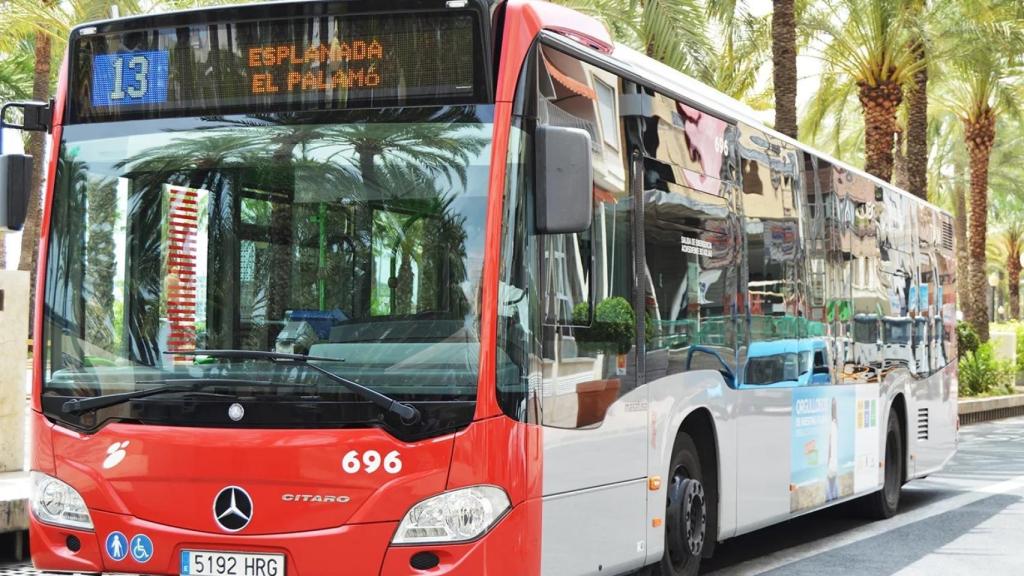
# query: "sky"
[759,7]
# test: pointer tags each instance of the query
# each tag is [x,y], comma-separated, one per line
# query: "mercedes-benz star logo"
[232,509]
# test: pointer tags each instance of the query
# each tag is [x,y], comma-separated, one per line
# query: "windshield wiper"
[409,414]
[79,405]
[167,386]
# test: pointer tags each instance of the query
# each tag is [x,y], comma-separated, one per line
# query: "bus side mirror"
[15,182]
[565,180]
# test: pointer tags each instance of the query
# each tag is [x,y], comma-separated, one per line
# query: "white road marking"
[803,551]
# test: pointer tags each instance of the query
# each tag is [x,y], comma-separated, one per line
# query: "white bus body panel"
[763,421]
[594,486]
[931,422]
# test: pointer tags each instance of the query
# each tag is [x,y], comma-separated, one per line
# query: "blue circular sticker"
[141,548]
[117,546]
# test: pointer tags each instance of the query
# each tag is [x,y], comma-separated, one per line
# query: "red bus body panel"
[160,461]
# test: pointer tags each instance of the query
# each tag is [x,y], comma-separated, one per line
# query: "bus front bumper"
[352,550]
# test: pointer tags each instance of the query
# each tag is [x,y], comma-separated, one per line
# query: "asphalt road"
[967,520]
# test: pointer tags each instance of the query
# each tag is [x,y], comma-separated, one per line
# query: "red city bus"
[452,287]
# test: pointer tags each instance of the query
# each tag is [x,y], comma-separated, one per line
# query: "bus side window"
[838,298]
[588,349]
[818,329]
[896,282]
[859,213]
[691,242]
[776,317]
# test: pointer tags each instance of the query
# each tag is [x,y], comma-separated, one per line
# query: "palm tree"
[16,71]
[671,31]
[1006,210]
[947,185]
[734,68]
[866,51]
[985,83]
[1004,250]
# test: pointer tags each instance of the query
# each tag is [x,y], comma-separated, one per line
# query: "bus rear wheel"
[686,512]
[884,503]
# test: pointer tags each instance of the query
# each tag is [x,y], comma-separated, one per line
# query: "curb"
[984,409]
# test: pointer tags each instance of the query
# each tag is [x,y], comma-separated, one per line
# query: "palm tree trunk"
[980,133]
[404,284]
[37,148]
[879,103]
[784,66]
[963,269]
[363,217]
[917,129]
[1013,269]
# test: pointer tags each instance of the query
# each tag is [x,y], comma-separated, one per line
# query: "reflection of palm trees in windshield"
[82,265]
[375,156]
[101,203]
[400,154]
[222,162]
[382,158]
[436,144]
[65,262]
[429,232]
[203,162]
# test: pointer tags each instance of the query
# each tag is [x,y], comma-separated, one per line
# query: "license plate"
[207,563]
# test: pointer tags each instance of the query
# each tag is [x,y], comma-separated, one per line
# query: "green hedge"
[966,339]
[981,374]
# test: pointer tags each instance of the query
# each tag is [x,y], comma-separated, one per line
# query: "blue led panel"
[129,78]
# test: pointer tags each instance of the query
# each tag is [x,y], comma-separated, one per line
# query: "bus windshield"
[357,236]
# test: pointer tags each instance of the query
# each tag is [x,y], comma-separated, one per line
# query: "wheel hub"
[694,516]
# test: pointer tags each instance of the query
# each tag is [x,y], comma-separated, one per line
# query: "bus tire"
[686,513]
[885,502]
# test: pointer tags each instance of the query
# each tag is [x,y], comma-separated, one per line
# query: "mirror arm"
[35,117]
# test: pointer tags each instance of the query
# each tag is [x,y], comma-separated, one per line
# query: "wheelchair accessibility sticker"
[141,548]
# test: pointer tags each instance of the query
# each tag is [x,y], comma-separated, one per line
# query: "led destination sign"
[294,64]
[355,65]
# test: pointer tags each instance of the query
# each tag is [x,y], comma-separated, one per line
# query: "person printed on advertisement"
[832,487]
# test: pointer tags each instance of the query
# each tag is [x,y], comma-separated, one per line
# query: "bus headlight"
[54,502]
[455,516]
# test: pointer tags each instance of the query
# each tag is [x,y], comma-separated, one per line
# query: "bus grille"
[922,423]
